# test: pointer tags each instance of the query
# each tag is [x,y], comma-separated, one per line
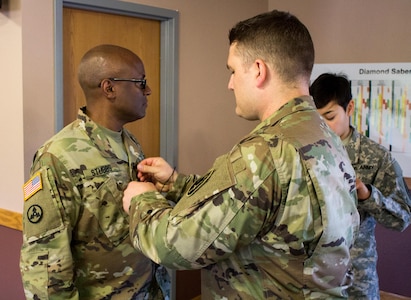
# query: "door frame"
[168,63]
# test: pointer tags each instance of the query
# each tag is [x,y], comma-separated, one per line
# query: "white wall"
[11,107]
[352,31]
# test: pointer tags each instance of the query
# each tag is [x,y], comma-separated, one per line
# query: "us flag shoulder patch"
[32,186]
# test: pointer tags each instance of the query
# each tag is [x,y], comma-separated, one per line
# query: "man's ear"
[350,108]
[261,72]
[108,88]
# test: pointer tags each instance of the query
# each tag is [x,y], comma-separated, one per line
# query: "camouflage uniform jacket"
[75,232]
[272,219]
[388,205]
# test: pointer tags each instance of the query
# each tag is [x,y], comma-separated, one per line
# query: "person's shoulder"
[61,140]
[367,142]
[373,152]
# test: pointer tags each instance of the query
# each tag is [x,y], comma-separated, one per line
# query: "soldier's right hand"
[157,171]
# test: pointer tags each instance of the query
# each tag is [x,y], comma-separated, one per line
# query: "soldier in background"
[276,216]
[76,241]
[381,189]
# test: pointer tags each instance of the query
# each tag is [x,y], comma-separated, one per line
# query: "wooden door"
[82,30]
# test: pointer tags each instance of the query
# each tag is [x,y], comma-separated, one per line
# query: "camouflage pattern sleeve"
[46,261]
[389,202]
[196,216]
[180,186]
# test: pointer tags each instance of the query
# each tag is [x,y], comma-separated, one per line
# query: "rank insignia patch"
[32,186]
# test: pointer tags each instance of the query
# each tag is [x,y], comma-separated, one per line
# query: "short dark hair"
[331,87]
[280,39]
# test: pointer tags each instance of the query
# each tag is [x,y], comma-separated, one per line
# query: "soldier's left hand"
[363,193]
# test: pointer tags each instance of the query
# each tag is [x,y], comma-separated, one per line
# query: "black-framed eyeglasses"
[142,82]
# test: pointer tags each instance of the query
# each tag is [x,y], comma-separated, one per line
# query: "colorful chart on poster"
[381,93]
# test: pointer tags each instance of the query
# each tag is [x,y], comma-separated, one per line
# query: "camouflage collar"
[101,142]
[294,105]
[353,146]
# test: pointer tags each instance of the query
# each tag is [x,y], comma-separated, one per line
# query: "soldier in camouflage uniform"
[76,241]
[276,216]
[382,192]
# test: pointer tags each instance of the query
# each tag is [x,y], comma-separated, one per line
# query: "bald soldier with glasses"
[76,241]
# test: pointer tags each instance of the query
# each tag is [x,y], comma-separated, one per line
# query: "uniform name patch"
[32,186]
[99,171]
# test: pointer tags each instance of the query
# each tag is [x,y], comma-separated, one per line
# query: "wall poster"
[382,96]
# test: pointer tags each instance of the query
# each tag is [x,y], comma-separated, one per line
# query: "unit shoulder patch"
[34,213]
